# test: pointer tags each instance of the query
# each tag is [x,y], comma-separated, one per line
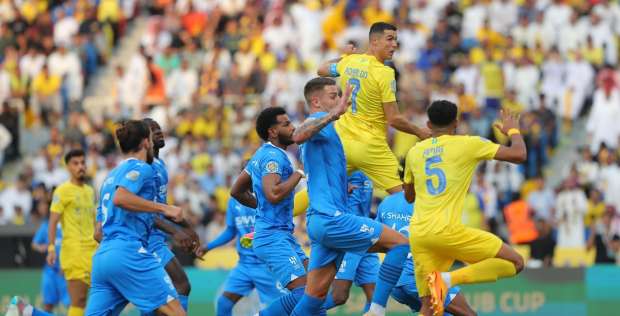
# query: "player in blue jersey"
[271,176]
[361,269]
[250,272]
[395,212]
[53,283]
[332,230]
[157,238]
[123,270]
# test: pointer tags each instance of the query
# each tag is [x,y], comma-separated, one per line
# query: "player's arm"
[229,233]
[312,126]
[329,68]
[132,202]
[241,190]
[398,121]
[56,209]
[38,241]
[408,179]
[275,190]
[98,235]
[179,234]
[516,152]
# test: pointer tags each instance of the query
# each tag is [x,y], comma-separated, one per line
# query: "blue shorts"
[123,272]
[333,236]
[54,288]
[408,295]
[282,254]
[161,251]
[361,269]
[247,276]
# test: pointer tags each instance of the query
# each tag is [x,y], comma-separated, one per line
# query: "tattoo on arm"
[310,127]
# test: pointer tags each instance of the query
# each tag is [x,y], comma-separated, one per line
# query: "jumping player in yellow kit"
[73,205]
[438,173]
[363,128]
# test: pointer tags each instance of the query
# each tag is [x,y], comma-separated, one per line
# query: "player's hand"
[424,133]
[348,49]
[51,258]
[509,120]
[184,240]
[342,106]
[200,252]
[175,213]
[352,187]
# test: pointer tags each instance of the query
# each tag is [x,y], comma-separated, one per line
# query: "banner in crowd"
[576,292]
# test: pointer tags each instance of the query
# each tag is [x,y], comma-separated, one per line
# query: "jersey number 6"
[430,171]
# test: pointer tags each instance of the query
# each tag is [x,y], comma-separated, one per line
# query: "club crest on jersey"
[393,86]
[55,199]
[272,167]
[133,175]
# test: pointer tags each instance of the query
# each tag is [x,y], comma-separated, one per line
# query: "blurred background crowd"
[204,68]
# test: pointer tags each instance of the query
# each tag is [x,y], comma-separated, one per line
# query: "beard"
[159,144]
[149,156]
[285,140]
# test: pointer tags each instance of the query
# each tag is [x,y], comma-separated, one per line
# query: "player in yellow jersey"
[438,173]
[73,205]
[363,128]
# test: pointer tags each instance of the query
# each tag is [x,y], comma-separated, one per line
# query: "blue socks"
[224,306]
[389,273]
[308,305]
[184,301]
[38,312]
[329,301]
[285,304]
[366,307]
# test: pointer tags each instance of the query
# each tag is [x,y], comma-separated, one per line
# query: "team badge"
[272,167]
[133,175]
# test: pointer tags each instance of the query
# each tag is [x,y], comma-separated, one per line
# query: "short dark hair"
[130,134]
[442,113]
[266,119]
[151,123]
[316,84]
[74,153]
[380,27]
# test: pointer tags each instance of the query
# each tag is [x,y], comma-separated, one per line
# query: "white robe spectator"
[609,183]
[412,41]
[32,63]
[603,37]
[573,35]
[227,162]
[467,75]
[571,206]
[279,35]
[502,15]
[578,84]
[558,14]
[526,81]
[64,29]
[602,125]
[15,196]
[5,85]
[473,19]
[181,86]
[553,72]
[67,65]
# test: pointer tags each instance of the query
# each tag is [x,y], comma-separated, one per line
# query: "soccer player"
[250,271]
[363,269]
[363,128]
[157,238]
[53,283]
[123,270]
[437,176]
[331,229]
[73,205]
[271,176]
[394,211]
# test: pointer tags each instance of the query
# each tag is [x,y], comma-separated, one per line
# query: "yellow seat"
[573,257]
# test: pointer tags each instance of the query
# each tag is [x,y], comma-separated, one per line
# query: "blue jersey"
[40,238]
[360,199]
[326,170]
[241,219]
[395,212]
[270,159]
[137,177]
[161,187]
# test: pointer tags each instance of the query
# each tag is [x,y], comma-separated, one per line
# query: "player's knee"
[340,297]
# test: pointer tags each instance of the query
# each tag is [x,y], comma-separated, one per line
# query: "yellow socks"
[484,271]
[75,311]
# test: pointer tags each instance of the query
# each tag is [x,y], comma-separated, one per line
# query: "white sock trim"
[377,309]
[27,310]
[447,279]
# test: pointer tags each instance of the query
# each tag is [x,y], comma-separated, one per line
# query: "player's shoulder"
[135,168]
[63,188]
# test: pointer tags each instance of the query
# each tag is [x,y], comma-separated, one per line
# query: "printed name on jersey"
[366,229]
[396,216]
[133,175]
[247,221]
[357,73]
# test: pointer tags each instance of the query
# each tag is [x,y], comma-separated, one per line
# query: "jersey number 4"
[355,83]
[437,172]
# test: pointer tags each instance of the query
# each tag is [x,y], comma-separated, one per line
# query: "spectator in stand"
[16,200]
[571,207]
[605,237]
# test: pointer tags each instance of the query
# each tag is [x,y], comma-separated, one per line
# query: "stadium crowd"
[205,68]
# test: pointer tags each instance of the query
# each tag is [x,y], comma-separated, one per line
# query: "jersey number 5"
[430,171]
[356,88]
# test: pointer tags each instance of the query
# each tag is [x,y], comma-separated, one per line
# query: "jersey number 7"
[356,88]
[430,171]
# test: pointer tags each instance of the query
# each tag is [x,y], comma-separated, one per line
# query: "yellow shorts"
[76,263]
[375,159]
[437,251]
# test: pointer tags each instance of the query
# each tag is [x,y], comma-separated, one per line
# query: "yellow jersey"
[76,206]
[373,84]
[441,169]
